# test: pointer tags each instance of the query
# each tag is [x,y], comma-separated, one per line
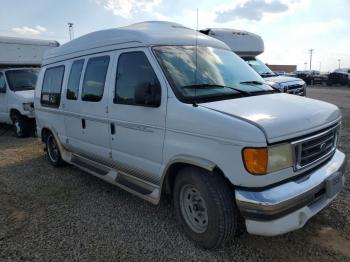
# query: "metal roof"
[141,34]
[27,41]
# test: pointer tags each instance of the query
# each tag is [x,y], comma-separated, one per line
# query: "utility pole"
[305,65]
[71,31]
[311,51]
[339,62]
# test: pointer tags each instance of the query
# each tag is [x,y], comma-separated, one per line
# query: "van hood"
[282,79]
[280,116]
[25,96]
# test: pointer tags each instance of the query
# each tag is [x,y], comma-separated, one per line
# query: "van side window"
[94,79]
[52,85]
[134,70]
[74,79]
[2,82]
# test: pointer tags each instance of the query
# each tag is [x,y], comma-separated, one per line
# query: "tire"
[205,207]
[21,125]
[53,153]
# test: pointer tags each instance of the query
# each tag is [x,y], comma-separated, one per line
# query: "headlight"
[260,161]
[28,107]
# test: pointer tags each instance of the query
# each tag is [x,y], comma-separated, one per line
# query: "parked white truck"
[20,59]
[248,46]
[146,109]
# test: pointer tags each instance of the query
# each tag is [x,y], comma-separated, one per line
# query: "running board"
[136,186]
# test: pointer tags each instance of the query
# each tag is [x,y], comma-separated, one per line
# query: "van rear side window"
[94,79]
[74,79]
[52,85]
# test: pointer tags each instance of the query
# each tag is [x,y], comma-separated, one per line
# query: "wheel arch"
[14,111]
[176,164]
[45,131]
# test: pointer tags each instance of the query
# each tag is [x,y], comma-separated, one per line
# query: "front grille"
[295,89]
[316,148]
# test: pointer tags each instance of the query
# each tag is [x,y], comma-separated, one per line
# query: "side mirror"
[148,95]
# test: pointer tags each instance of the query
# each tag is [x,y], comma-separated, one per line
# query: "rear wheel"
[53,151]
[205,207]
[21,125]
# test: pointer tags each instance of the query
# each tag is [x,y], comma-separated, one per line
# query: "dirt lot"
[49,214]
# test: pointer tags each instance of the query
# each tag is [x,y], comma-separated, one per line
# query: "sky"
[289,28]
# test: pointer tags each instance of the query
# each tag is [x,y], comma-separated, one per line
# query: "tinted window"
[52,84]
[134,70]
[22,79]
[2,81]
[74,79]
[206,74]
[94,79]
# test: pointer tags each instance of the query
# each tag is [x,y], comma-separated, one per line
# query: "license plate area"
[334,184]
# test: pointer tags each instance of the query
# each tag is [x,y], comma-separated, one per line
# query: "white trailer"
[19,60]
[248,46]
[22,51]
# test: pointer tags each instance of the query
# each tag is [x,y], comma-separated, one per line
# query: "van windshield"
[22,79]
[259,67]
[220,74]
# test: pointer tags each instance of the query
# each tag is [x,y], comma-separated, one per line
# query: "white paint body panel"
[23,51]
[147,140]
[281,116]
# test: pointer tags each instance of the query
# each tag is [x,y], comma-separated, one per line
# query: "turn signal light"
[256,160]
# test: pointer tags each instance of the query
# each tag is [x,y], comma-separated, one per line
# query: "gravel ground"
[49,214]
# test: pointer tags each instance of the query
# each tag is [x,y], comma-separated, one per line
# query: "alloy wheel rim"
[193,209]
[53,149]
[18,128]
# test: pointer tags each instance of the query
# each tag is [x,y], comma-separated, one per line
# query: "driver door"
[136,132]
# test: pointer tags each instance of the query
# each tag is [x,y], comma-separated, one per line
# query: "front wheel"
[21,125]
[205,207]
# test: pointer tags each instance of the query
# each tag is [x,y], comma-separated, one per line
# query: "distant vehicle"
[311,77]
[20,59]
[146,109]
[248,46]
[280,73]
[339,76]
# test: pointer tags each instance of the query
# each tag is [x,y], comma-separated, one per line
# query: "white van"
[248,46]
[20,59]
[145,109]
[17,99]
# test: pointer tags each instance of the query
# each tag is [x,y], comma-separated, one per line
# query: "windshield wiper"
[204,86]
[254,82]
[24,86]
[259,83]
[267,74]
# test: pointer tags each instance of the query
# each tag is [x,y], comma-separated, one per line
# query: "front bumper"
[29,114]
[289,206]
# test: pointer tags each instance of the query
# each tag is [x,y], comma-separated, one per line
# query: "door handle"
[112,129]
[83,123]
